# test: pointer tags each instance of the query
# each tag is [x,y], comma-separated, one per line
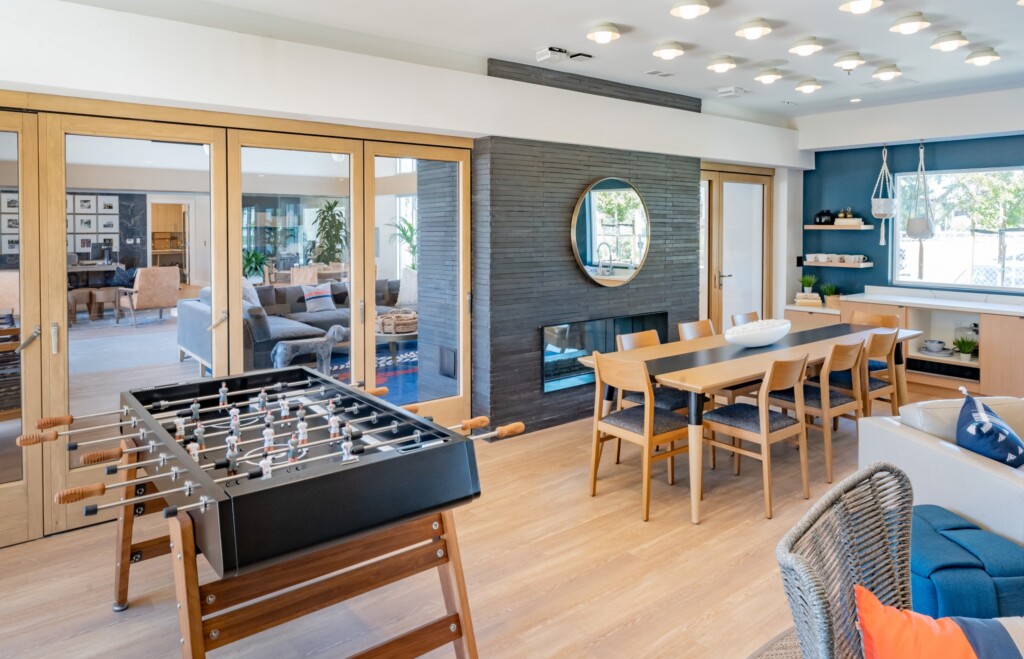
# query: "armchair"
[155,288]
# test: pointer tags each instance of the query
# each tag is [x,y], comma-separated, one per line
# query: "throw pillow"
[318,298]
[407,290]
[889,632]
[124,277]
[980,430]
[249,293]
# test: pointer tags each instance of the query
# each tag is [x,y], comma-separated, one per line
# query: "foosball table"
[300,492]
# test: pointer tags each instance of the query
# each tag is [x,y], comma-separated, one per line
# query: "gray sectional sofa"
[280,316]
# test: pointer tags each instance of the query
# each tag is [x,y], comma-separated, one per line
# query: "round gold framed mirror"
[611,231]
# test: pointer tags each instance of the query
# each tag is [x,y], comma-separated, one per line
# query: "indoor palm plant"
[405,233]
[332,234]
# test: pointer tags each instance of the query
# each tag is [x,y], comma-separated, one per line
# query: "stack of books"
[849,222]
[808,300]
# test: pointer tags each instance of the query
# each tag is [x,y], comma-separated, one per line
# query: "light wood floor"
[551,571]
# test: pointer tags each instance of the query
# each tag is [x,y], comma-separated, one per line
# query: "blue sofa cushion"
[980,430]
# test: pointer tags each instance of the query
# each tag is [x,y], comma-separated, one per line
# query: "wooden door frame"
[22,500]
[717,175]
[454,408]
[239,139]
[53,131]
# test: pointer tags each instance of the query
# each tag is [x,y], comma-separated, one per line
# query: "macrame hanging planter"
[921,224]
[883,202]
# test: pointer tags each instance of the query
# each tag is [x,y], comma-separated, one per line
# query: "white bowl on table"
[758,333]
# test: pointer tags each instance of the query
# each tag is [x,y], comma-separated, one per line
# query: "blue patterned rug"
[401,379]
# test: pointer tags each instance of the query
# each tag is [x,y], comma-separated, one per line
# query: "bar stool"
[764,427]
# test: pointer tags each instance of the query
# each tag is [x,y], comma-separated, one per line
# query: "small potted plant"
[966,347]
[808,281]
[831,293]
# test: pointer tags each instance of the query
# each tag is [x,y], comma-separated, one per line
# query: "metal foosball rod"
[277,386]
[46,423]
[222,433]
[73,494]
[187,412]
[188,488]
[32,438]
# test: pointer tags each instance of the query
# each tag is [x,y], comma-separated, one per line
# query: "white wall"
[79,50]
[974,115]
[787,220]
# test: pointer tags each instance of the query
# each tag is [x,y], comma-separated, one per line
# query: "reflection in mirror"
[611,232]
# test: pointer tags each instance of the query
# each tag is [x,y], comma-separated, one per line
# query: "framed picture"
[70,225]
[85,224]
[110,239]
[9,204]
[10,245]
[69,204]
[107,204]
[108,224]
[9,224]
[83,243]
[85,203]
[71,242]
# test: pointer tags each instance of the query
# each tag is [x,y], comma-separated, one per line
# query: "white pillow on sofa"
[408,289]
[318,298]
[939,417]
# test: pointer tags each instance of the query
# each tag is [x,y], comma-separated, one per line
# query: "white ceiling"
[463,33]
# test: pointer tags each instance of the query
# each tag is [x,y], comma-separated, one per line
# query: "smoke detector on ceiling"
[732,92]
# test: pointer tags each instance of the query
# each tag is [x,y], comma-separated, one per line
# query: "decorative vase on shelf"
[808,289]
[965,356]
[832,301]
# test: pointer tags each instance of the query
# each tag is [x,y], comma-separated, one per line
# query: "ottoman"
[958,569]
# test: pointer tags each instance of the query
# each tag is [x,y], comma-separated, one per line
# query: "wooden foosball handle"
[415,409]
[476,422]
[73,494]
[378,391]
[510,429]
[33,438]
[96,457]
[48,422]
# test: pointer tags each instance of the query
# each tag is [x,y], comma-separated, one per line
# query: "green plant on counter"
[253,262]
[828,290]
[965,345]
[808,281]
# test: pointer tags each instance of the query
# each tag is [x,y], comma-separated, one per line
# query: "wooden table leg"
[696,450]
[902,396]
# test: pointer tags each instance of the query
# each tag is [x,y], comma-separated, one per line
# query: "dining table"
[702,366]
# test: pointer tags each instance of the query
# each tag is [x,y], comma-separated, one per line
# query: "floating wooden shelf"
[858,266]
[833,227]
[943,359]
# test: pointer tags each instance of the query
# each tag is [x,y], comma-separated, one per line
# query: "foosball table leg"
[186,586]
[453,588]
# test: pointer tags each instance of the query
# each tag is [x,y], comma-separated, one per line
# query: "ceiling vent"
[732,92]
[659,74]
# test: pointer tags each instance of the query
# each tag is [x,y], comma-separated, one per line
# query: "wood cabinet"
[847,308]
[999,355]
[813,318]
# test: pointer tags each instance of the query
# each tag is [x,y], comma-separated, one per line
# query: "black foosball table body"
[251,521]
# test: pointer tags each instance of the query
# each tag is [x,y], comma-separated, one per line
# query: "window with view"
[979,231]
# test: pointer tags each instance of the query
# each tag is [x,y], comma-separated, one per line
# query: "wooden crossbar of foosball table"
[215,614]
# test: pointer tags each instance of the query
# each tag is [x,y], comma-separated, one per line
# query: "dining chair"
[698,329]
[644,425]
[665,398]
[760,425]
[744,318]
[889,321]
[824,403]
[881,347]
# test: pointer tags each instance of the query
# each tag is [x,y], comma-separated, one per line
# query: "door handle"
[721,277]
[36,333]
[54,338]
[220,321]
[362,312]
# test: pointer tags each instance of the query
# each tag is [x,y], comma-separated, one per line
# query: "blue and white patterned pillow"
[318,298]
[980,430]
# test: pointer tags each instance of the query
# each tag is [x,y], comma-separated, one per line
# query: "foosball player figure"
[268,436]
[293,448]
[179,429]
[335,425]
[194,408]
[266,466]
[269,418]
[331,406]
[232,457]
[301,413]
[303,429]
[199,434]
[222,398]
[346,448]
[230,437]
[193,451]
[262,400]
[285,408]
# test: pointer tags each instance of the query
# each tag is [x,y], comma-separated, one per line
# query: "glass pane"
[742,227]
[10,310]
[416,245]
[296,230]
[139,269]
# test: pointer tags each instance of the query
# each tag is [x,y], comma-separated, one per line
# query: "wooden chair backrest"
[785,374]
[882,345]
[744,318]
[698,329]
[637,340]
[623,375]
[874,319]
[843,357]
[157,287]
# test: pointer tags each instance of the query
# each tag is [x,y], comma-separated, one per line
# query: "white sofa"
[922,442]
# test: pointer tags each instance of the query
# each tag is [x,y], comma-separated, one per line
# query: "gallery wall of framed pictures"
[93,219]
[10,223]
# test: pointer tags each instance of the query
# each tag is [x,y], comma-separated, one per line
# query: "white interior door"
[742,242]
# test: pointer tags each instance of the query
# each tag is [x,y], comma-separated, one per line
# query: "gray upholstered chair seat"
[812,396]
[665,398]
[632,419]
[747,417]
[844,380]
[877,365]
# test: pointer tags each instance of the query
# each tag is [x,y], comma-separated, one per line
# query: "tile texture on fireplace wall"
[525,275]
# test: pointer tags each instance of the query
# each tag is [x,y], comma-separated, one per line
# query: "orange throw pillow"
[889,632]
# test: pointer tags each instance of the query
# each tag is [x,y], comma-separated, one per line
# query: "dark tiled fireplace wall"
[525,275]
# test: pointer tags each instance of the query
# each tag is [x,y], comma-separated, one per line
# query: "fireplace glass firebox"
[562,345]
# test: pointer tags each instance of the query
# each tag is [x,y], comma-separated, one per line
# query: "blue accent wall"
[845,179]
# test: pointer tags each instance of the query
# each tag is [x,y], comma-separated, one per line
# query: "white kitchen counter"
[939,303]
[824,310]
